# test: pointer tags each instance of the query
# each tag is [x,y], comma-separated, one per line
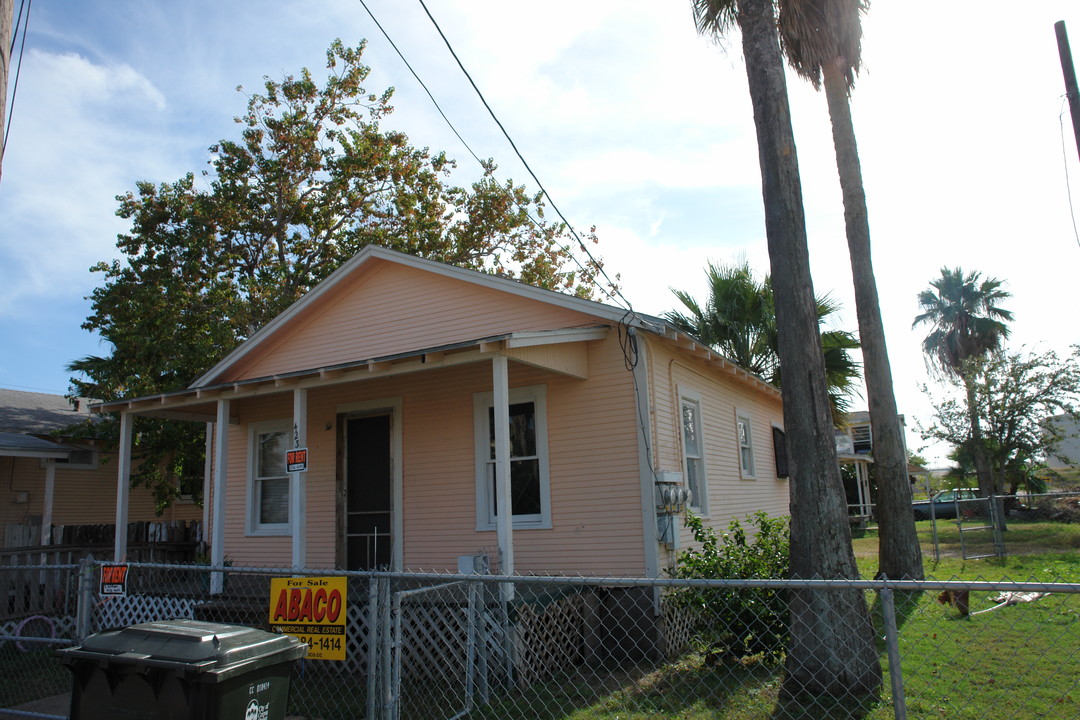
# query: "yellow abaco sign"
[313,611]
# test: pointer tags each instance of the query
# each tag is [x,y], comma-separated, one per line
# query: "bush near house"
[760,613]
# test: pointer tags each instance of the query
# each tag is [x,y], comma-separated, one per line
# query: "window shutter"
[779,442]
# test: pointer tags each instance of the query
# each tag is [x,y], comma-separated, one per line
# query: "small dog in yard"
[956,598]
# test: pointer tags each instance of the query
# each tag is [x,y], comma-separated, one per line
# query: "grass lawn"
[1016,662]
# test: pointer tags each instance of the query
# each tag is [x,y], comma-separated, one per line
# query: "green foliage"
[312,179]
[744,621]
[1019,399]
[738,320]
[965,319]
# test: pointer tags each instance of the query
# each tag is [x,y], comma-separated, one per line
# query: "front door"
[368,509]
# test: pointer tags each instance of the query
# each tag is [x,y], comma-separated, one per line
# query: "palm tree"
[831,645]
[822,40]
[739,321]
[966,324]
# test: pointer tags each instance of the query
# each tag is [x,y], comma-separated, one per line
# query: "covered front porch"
[399,472]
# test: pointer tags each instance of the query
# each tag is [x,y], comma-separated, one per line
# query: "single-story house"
[50,482]
[428,396]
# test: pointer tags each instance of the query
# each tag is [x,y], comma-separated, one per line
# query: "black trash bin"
[181,670]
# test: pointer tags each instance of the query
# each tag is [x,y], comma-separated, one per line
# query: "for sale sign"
[313,611]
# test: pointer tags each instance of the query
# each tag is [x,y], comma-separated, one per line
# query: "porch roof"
[199,403]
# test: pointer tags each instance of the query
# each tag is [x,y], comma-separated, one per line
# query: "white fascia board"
[57,454]
[555,337]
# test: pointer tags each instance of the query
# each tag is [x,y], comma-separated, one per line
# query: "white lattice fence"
[676,628]
[549,638]
[132,609]
[434,637]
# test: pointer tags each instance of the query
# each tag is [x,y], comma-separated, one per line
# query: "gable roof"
[371,254]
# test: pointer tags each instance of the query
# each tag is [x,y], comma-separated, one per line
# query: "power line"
[18,68]
[611,291]
[524,162]
[1065,164]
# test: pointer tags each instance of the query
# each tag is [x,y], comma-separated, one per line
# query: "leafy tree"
[966,323]
[831,648]
[822,40]
[312,179]
[739,321]
[1017,396]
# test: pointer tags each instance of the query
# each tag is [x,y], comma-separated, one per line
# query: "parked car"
[946,502]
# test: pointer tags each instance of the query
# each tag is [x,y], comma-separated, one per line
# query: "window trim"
[740,417]
[485,496]
[699,505]
[253,526]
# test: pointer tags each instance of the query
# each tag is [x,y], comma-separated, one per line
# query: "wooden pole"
[1071,90]
[7,8]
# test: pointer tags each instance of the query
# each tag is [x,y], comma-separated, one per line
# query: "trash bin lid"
[189,646]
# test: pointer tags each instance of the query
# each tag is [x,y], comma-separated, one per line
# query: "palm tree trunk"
[831,651]
[978,450]
[899,554]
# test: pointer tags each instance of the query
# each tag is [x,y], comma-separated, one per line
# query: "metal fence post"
[85,607]
[896,677]
[385,648]
[372,649]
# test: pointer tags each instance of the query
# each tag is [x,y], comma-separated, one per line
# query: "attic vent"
[860,435]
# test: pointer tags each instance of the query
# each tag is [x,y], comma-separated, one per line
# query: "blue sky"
[632,122]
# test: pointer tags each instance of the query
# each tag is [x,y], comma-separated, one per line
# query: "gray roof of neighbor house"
[17,444]
[37,413]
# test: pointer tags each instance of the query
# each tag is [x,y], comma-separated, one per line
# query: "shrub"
[736,621]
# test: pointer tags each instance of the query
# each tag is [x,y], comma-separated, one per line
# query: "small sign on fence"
[313,611]
[113,580]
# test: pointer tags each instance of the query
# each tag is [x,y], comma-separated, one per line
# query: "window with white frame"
[529,482]
[694,452]
[744,429]
[268,496]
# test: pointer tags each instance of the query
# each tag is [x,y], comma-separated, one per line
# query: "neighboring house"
[855,448]
[390,372]
[1066,456]
[47,482]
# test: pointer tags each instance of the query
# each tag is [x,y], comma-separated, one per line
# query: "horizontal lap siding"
[595,495]
[80,497]
[729,496]
[387,309]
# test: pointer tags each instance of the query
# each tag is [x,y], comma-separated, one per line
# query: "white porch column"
[297,483]
[123,488]
[208,469]
[504,519]
[46,511]
[221,457]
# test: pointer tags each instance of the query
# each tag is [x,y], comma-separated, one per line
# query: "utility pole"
[1067,68]
[7,9]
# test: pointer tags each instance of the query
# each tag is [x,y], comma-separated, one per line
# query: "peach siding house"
[429,396]
[50,483]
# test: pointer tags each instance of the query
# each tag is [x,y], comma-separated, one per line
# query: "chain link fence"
[440,647]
